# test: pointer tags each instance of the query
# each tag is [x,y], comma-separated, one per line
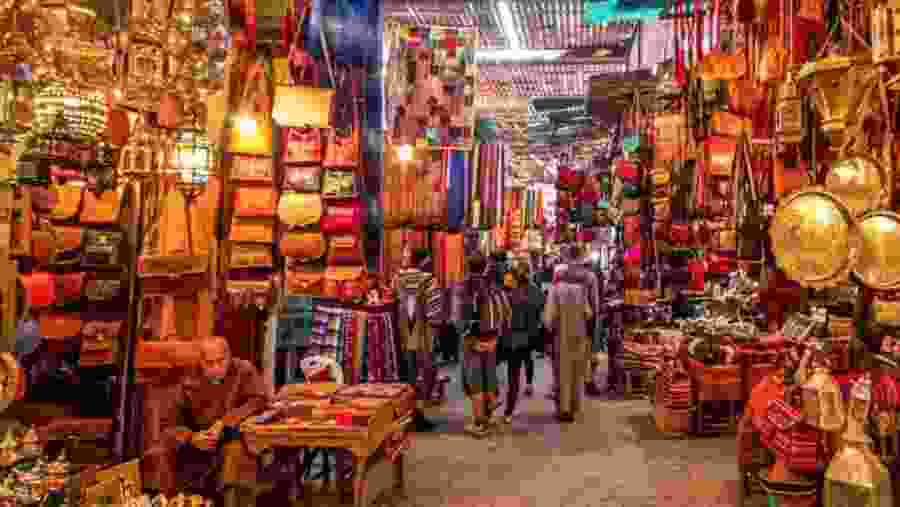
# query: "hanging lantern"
[139,158]
[886,31]
[856,477]
[789,112]
[142,80]
[840,82]
[191,161]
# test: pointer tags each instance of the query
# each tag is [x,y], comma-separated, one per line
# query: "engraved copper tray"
[859,182]
[814,239]
[878,266]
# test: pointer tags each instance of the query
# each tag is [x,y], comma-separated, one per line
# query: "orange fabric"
[761,395]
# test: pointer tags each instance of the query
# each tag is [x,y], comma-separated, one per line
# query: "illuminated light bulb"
[405,153]
[247,126]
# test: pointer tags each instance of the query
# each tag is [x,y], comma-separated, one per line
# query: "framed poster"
[432,84]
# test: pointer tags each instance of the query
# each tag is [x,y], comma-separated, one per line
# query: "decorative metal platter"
[814,239]
[859,182]
[878,266]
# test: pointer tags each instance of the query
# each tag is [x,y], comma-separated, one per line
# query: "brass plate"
[878,266]
[859,182]
[814,239]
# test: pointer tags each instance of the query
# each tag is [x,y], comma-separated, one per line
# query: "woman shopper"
[489,314]
[527,302]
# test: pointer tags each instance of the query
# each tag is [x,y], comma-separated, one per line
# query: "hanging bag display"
[251,130]
[304,104]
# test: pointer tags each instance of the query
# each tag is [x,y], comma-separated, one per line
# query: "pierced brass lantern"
[789,112]
[840,83]
[139,157]
[855,476]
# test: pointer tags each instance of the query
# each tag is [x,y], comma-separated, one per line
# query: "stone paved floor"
[613,457]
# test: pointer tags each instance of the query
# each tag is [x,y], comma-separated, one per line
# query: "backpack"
[491,312]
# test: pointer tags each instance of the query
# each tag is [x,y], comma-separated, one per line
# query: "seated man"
[209,405]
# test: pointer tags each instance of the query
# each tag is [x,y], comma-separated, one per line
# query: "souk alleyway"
[612,457]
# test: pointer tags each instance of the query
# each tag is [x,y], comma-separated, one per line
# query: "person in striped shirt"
[421,314]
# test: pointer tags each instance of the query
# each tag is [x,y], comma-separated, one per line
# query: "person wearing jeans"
[527,302]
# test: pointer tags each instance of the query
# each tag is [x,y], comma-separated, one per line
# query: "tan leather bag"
[105,209]
[296,209]
[303,246]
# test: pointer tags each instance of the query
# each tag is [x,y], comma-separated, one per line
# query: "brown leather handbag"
[67,245]
[67,202]
[103,209]
[304,283]
[302,146]
[730,125]
[247,169]
[305,178]
[246,255]
[297,209]
[255,202]
[58,326]
[252,231]
[100,343]
[345,250]
[720,152]
[303,246]
[347,284]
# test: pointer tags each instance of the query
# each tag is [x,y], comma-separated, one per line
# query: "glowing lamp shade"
[247,126]
[192,160]
[405,153]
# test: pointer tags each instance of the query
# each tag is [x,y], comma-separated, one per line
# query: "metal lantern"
[855,476]
[886,31]
[191,161]
[840,82]
[139,158]
[789,112]
[143,78]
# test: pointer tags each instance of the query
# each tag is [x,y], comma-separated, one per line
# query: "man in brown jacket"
[201,445]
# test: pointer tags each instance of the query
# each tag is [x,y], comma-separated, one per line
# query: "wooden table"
[363,445]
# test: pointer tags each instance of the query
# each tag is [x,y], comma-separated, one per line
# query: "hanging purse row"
[43,289]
